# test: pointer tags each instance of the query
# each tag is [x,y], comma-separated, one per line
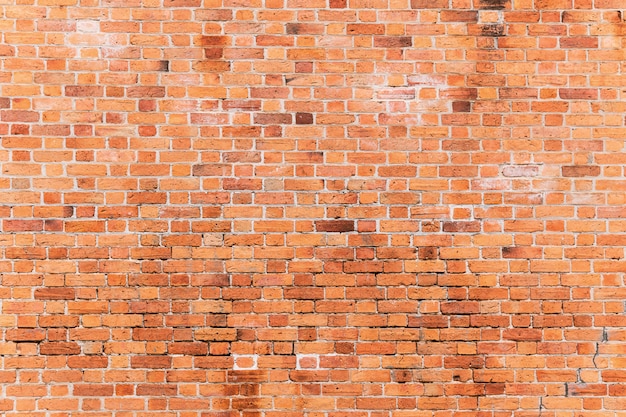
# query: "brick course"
[341,208]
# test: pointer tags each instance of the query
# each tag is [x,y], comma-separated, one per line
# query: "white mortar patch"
[245,362]
[311,361]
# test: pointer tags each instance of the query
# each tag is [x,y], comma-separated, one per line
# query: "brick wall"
[341,208]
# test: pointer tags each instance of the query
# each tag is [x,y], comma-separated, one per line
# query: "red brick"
[461,227]
[55,293]
[304,28]
[84,91]
[157,390]
[358,208]
[338,4]
[334,225]
[459,16]
[579,42]
[578,93]
[494,4]
[274,118]
[246,105]
[138,92]
[25,335]
[581,171]
[93,390]
[156,362]
[522,334]
[430,4]
[22,225]
[26,253]
[365,29]
[393,41]
[59,348]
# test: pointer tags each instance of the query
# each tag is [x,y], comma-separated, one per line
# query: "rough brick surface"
[339,208]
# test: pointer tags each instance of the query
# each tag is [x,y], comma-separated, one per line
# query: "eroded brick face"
[339,208]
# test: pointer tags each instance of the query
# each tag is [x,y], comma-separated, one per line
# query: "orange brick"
[351,208]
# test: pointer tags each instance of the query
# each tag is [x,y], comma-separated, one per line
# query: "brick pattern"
[341,208]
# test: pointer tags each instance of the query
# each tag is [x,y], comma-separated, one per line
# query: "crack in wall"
[605,338]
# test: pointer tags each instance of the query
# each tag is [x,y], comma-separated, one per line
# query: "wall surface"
[340,208]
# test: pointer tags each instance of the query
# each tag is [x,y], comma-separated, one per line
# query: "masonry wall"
[321,208]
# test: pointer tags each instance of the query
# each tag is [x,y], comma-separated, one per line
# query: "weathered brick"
[152,91]
[22,225]
[578,93]
[153,362]
[55,293]
[430,4]
[59,348]
[25,335]
[578,42]
[304,118]
[494,4]
[93,390]
[84,91]
[324,207]
[393,41]
[459,16]
[334,225]
[581,171]
[275,118]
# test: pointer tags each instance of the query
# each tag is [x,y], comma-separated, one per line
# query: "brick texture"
[313,208]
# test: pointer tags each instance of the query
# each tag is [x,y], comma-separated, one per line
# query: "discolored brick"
[324,208]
